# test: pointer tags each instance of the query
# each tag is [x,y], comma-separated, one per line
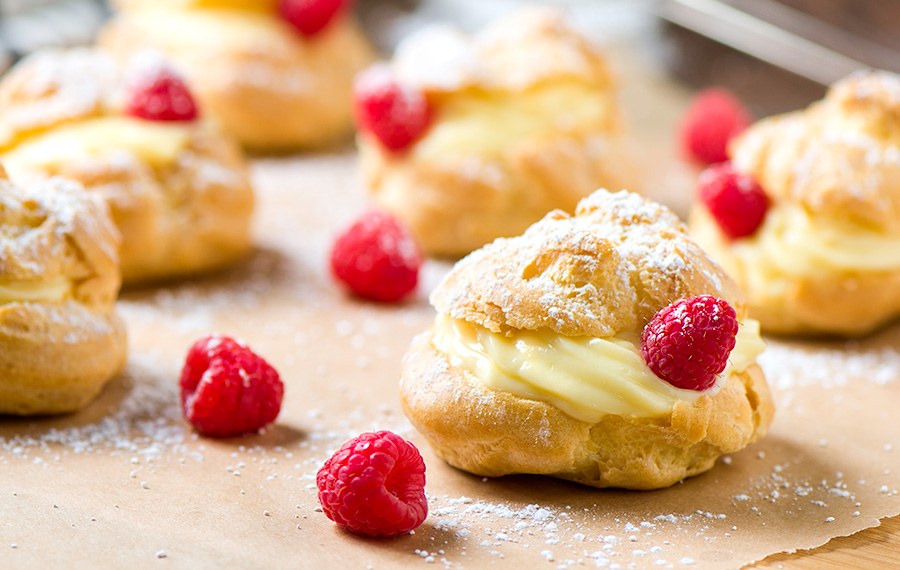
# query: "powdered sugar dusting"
[789,367]
[514,53]
[47,223]
[606,270]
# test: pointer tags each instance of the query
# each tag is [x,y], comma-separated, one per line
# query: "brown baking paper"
[127,483]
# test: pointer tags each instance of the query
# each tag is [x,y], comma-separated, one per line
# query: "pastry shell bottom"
[55,358]
[492,433]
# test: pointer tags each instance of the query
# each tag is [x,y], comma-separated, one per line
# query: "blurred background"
[775,54]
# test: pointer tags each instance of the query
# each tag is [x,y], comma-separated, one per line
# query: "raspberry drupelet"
[377,258]
[310,17]
[687,343]
[735,200]
[227,390]
[714,117]
[160,94]
[374,485]
[396,114]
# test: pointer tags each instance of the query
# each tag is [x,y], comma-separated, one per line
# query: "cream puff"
[806,217]
[61,340]
[467,139]
[276,74]
[552,353]
[179,190]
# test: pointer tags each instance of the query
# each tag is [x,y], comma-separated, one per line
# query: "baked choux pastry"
[806,217]
[467,139]
[276,74]
[549,351]
[61,340]
[179,190]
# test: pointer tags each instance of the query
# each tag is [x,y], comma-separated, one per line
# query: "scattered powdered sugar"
[568,536]
[146,423]
[789,367]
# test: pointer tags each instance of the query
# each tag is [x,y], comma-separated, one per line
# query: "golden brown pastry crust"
[180,218]
[56,354]
[605,271]
[456,204]
[838,160]
[283,93]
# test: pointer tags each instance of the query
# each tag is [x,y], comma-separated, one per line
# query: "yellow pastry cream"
[44,292]
[157,143]
[486,123]
[792,241]
[584,377]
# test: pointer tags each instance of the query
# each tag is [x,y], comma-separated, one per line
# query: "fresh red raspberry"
[374,485]
[714,117]
[227,390]
[395,113]
[687,343]
[735,200]
[160,94]
[377,258]
[311,16]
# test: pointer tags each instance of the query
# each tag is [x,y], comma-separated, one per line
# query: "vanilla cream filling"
[157,143]
[587,378]
[792,244]
[44,292]
[486,124]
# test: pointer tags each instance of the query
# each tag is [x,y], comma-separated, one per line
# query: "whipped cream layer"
[157,143]
[587,378]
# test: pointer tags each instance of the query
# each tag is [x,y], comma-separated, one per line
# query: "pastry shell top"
[55,232]
[608,269]
[515,53]
[839,158]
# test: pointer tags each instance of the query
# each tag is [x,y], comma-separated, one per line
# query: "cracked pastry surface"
[524,121]
[826,259]
[60,337]
[263,82]
[533,364]
[179,192]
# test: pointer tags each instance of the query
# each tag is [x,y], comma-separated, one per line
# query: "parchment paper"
[126,482]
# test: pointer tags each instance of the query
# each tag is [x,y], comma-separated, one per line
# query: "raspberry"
[374,485]
[396,114]
[160,94]
[736,201]
[687,343]
[311,16]
[227,390]
[714,118]
[377,258]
